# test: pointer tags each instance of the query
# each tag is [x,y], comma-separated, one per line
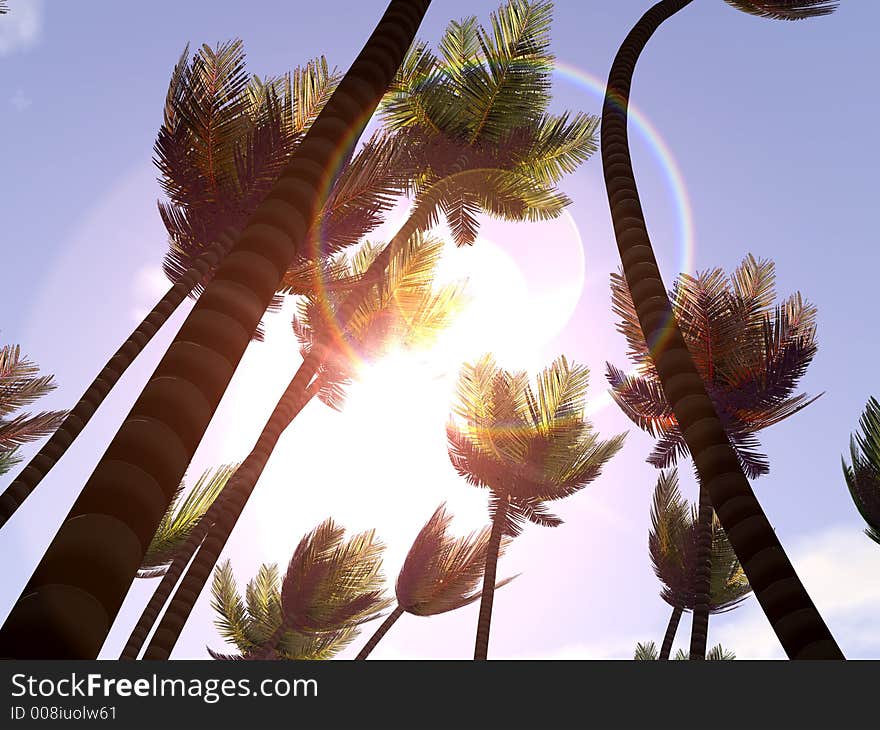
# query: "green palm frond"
[332,583]
[750,352]
[786,9]
[561,143]
[716,653]
[20,386]
[862,475]
[672,544]
[253,624]
[528,444]
[8,459]
[182,515]
[442,573]
[646,651]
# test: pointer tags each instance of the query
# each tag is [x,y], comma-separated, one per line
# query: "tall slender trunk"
[702,577]
[389,621]
[671,629]
[481,648]
[798,625]
[67,607]
[228,506]
[209,552]
[39,466]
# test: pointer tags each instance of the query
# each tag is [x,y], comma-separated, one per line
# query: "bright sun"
[382,462]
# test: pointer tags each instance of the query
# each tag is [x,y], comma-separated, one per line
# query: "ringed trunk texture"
[67,607]
[481,648]
[41,464]
[702,578]
[798,625]
[291,402]
[671,630]
[389,621]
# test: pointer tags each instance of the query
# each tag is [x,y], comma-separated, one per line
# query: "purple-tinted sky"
[772,128]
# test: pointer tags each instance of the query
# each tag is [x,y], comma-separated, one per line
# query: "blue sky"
[772,127]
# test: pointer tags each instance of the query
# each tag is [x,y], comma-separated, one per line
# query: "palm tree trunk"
[380,632]
[481,648]
[67,607]
[794,618]
[225,510]
[702,578]
[39,466]
[671,630]
[181,605]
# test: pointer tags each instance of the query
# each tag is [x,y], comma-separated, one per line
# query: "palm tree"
[181,518]
[248,624]
[648,651]
[20,385]
[404,311]
[511,175]
[797,623]
[749,352]
[527,445]
[863,474]
[223,143]
[108,529]
[331,587]
[674,549]
[440,574]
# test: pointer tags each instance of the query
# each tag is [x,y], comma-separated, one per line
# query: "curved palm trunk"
[39,466]
[797,623]
[481,648]
[69,604]
[702,578]
[389,621]
[671,629]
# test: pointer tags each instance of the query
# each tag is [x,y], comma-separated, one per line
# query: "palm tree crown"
[21,385]
[250,623]
[331,586]
[442,573]
[750,352]
[527,444]
[476,122]
[785,9]
[648,651]
[863,474]
[672,543]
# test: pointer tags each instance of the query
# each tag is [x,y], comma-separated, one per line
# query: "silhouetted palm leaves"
[750,352]
[331,586]
[441,573]
[785,9]
[528,445]
[648,651]
[863,474]
[476,123]
[21,385]
[182,516]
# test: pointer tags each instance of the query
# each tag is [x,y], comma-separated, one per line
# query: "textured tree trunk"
[481,648]
[671,630]
[228,506]
[389,621]
[39,466]
[67,607]
[291,402]
[798,625]
[702,579]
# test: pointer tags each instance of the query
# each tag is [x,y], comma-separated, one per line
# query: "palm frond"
[646,651]
[181,517]
[862,475]
[785,9]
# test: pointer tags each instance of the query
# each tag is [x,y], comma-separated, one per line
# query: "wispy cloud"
[149,286]
[21,27]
